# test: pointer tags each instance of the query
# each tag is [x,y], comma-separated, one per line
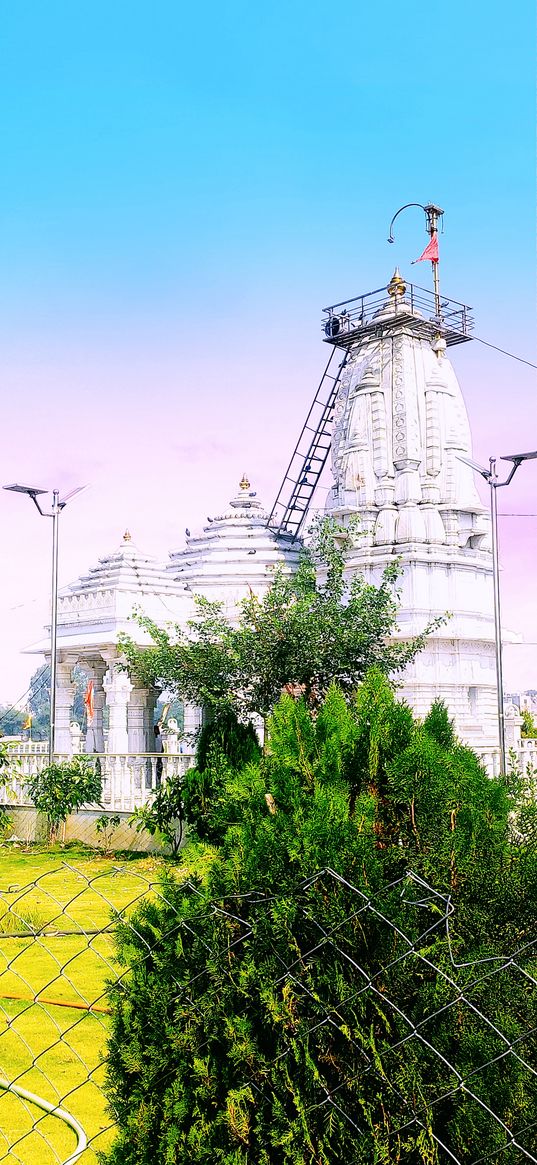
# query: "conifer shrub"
[225,746]
[438,724]
[303,1006]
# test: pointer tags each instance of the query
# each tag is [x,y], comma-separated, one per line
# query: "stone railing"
[129,779]
[527,756]
[491,761]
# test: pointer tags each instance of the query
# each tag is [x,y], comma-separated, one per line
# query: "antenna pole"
[433,213]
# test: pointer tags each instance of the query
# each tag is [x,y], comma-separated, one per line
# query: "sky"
[184,189]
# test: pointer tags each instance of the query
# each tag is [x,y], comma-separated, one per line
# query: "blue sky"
[184,188]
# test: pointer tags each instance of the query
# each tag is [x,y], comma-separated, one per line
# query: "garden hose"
[53,1110]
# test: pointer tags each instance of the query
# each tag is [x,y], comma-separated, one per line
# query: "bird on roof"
[187,532]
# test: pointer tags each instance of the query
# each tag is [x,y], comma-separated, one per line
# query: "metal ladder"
[310,455]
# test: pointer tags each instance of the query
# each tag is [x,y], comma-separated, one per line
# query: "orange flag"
[430,252]
[89,702]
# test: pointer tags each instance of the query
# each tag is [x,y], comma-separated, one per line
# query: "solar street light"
[58,504]
[491,477]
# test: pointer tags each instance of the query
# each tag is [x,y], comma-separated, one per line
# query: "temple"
[234,554]
[400,437]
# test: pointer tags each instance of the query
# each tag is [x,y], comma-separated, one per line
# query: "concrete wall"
[29,826]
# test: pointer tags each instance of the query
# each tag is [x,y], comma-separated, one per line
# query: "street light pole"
[57,507]
[494,485]
[491,477]
[56,511]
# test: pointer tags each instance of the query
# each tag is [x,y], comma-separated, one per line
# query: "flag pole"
[433,213]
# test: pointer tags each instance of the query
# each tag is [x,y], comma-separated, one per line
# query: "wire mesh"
[58,958]
[57,955]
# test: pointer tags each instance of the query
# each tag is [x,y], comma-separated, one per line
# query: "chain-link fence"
[57,957]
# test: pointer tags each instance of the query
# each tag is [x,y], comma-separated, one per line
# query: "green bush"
[6,823]
[225,746]
[163,815]
[528,727]
[105,827]
[266,1014]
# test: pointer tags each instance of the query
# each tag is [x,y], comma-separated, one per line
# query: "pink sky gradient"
[163,441]
[180,199]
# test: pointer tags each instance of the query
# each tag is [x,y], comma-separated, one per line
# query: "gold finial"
[244,484]
[397,285]
[127,536]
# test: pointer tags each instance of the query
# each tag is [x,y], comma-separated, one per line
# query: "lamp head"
[474,465]
[31,490]
[71,494]
[518,457]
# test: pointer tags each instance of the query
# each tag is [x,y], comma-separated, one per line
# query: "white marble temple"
[400,427]
[233,555]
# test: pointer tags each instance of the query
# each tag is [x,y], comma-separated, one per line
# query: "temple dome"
[94,610]
[234,553]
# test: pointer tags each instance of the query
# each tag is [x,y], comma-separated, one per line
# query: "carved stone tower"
[400,428]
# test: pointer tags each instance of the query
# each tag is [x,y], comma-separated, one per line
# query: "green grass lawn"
[57,1053]
[54,965]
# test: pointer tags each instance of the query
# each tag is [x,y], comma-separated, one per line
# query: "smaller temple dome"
[235,553]
[93,610]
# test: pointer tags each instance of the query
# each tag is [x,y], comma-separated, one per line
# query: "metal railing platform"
[380,312]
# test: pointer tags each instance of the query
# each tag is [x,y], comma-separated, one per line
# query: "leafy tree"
[39,702]
[438,724]
[6,777]
[528,727]
[163,815]
[7,768]
[302,635]
[105,826]
[6,823]
[11,721]
[61,789]
[201,797]
[286,1011]
[39,699]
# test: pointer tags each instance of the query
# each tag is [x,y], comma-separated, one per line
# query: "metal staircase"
[346,326]
[310,455]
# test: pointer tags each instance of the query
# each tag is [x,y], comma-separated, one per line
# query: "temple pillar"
[410,524]
[140,719]
[96,669]
[118,687]
[65,695]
